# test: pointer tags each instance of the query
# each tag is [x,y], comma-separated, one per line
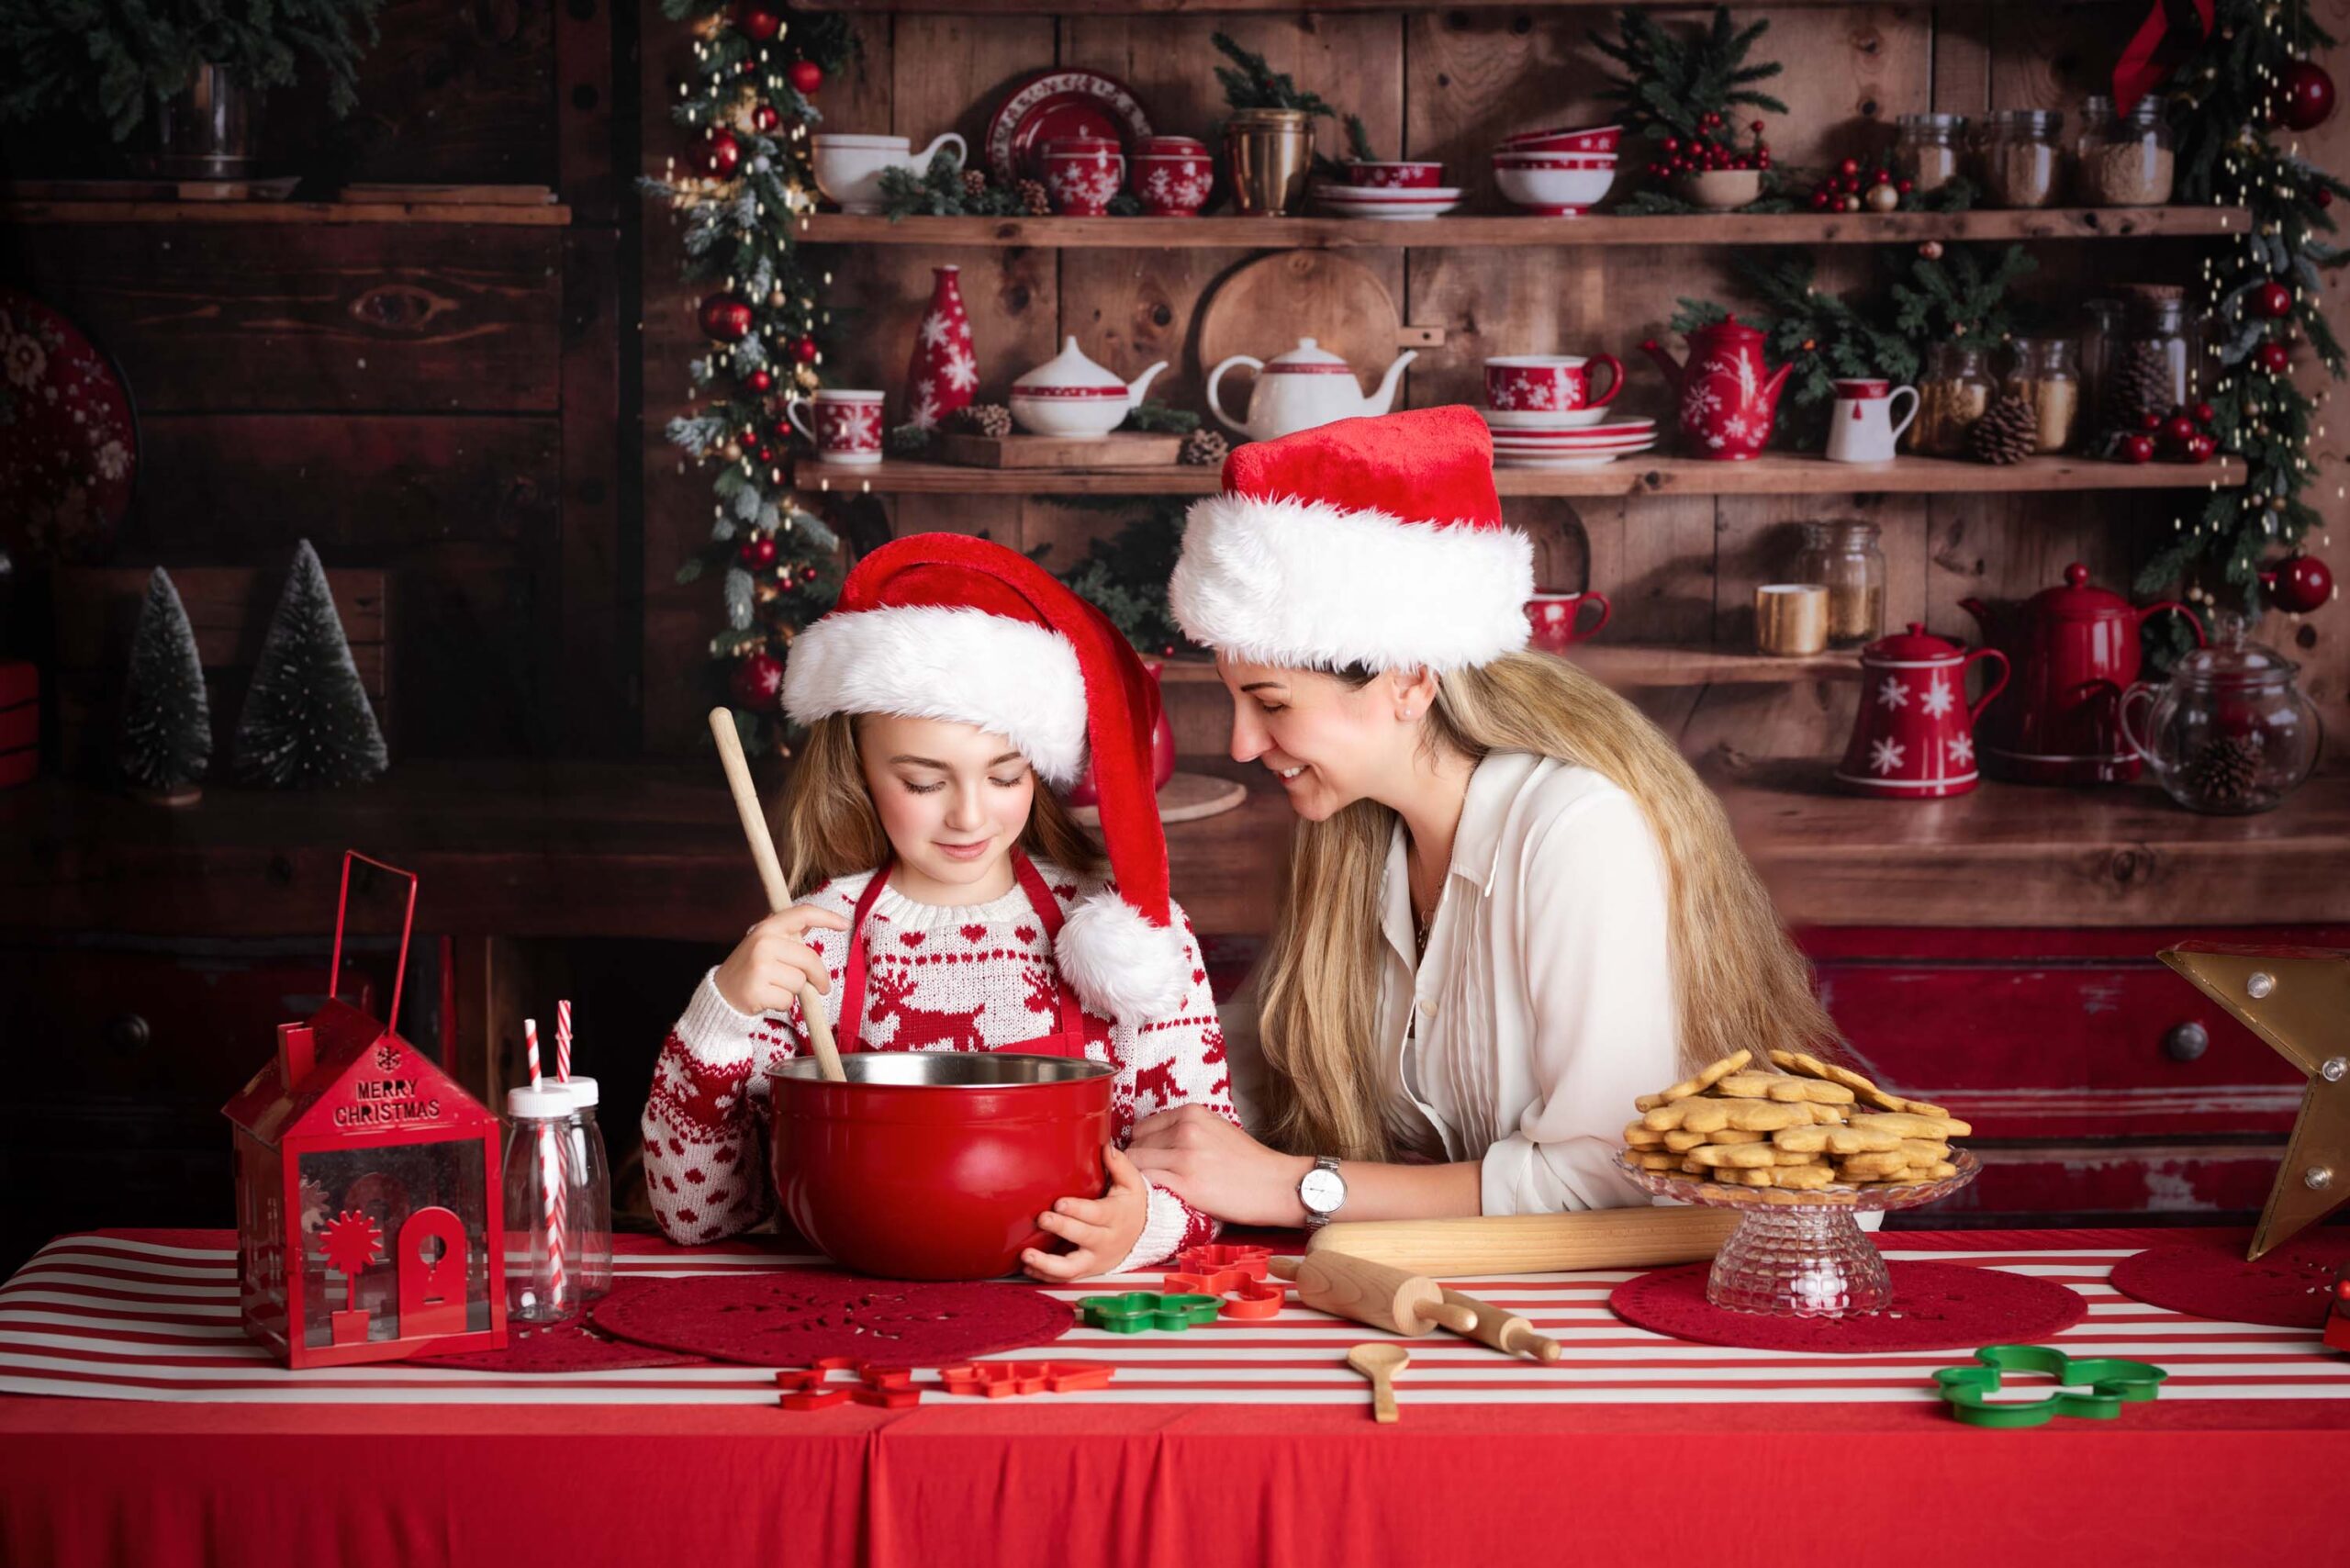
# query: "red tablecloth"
[145,1429]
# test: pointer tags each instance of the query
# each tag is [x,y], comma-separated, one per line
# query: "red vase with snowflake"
[1914,736]
[943,372]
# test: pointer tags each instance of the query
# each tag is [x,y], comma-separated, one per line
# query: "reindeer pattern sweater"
[970,978]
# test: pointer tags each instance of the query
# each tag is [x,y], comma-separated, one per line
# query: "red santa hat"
[1373,542]
[946,626]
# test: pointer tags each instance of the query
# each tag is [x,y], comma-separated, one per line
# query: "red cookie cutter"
[1256,1298]
[1000,1380]
[1216,1257]
[885,1388]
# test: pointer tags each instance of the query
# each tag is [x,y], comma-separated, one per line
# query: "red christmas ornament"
[805,77]
[2179,429]
[2299,583]
[722,156]
[760,381]
[724,318]
[2202,412]
[2273,358]
[2271,299]
[803,349]
[757,22]
[2139,448]
[808,574]
[2324,197]
[2150,422]
[2304,96]
[766,120]
[757,681]
[758,552]
[2199,448]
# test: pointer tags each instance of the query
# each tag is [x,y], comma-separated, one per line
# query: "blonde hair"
[832,830]
[1737,980]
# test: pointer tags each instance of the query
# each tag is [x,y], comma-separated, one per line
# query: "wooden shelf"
[652,850]
[1490,231]
[1776,475]
[307,213]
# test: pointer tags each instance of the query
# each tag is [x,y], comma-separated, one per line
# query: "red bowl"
[933,1165]
[1392,175]
[1565,138]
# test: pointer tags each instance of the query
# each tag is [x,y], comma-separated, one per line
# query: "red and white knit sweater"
[977,977]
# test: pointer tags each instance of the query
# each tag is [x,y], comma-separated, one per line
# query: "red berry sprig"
[1714,147]
[2183,435]
[1848,187]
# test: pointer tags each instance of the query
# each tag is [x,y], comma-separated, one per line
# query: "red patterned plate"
[69,437]
[1055,104]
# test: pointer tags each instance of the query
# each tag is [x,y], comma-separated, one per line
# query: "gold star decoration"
[2297,1000]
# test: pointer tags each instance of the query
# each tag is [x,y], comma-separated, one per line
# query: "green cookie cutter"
[1139,1310]
[2111,1382]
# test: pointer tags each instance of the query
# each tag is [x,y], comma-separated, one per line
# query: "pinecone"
[2004,434]
[1033,199]
[984,419]
[2225,772]
[2142,385]
[1203,447]
[975,183]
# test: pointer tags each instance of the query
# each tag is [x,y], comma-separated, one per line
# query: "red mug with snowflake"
[1914,736]
[846,425]
[1555,617]
[1082,174]
[1549,383]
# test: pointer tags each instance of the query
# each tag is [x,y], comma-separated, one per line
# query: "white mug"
[846,425]
[1861,429]
[848,168]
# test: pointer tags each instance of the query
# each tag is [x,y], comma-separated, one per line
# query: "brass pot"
[208,131]
[1270,154]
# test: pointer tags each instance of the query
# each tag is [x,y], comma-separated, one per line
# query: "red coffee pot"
[1914,736]
[2072,649]
[1725,394]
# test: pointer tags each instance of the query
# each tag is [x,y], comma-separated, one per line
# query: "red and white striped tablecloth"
[144,1428]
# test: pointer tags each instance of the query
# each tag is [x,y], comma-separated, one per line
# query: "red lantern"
[2272,299]
[805,77]
[2273,358]
[722,156]
[369,1212]
[2304,96]
[2298,584]
[757,680]
[757,23]
[765,119]
[724,318]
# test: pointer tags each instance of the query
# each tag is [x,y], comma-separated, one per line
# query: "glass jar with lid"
[1928,150]
[2048,380]
[1954,392]
[2124,160]
[2230,733]
[1842,556]
[2101,335]
[2151,369]
[2021,164]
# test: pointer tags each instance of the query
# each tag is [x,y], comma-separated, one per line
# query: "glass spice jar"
[1953,393]
[2021,165]
[2151,369]
[2049,382]
[1842,556]
[1929,149]
[2124,160]
[2099,336]
[2230,733]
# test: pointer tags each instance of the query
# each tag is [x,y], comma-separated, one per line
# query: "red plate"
[1053,104]
[69,437]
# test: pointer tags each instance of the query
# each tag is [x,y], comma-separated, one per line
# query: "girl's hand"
[1104,1229]
[767,969]
[1211,1164]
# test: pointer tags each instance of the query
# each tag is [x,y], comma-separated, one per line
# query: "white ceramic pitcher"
[1861,429]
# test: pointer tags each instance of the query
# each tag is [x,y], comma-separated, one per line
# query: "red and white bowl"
[1598,430]
[1554,183]
[1171,175]
[1501,419]
[1565,138]
[1366,175]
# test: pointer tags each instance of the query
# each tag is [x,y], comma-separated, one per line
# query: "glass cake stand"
[1799,1253]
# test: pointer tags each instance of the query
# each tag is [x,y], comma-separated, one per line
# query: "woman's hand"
[767,969]
[1104,1229]
[1208,1161]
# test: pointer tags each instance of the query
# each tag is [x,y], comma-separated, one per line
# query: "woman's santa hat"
[945,626]
[1375,543]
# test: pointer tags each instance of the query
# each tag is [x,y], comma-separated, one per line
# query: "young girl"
[956,904]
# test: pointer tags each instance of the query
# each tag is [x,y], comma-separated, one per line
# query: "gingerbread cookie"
[1707,1077]
[1682,1139]
[1937,1129]
[1783,1086]
[1705,1115]
[1865,1090]
[1639,1134]
[1837,1139]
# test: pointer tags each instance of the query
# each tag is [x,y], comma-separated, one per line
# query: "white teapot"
[1069,395]
[1309,385]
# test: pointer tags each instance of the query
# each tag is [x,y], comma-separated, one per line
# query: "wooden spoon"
[754,828]
[1380,1363]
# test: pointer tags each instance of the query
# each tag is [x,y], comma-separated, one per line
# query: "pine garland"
[1125,576]
[1251,84]
[1670,83]
[940,191]
[741,236]
[2217,101]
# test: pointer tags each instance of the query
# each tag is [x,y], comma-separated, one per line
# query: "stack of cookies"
[1810,1124]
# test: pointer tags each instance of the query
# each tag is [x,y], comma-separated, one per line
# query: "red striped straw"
[549,1169]
[562,1042]
[531,1044]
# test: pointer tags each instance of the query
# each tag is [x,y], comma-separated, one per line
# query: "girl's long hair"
[1737,980]
[831,829]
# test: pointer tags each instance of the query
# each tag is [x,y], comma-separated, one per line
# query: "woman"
[1511,907]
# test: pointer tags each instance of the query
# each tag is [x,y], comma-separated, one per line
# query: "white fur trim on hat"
[1122,967]
[1307,585]
[932,662]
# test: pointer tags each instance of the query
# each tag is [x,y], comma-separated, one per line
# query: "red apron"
[1069,1041]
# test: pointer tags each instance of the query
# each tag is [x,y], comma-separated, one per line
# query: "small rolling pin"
[778,891]
[1505,1331]
[1642,1237]
[1373,1294]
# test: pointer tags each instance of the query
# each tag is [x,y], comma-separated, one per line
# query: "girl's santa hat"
[945,626]
[1375,543]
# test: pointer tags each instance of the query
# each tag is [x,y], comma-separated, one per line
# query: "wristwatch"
[1321,1189]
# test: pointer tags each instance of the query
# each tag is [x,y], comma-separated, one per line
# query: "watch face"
[1322,1190]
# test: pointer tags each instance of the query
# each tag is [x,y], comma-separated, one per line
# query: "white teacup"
[848,168]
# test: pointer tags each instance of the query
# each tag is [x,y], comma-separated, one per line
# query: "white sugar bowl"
[1069,395]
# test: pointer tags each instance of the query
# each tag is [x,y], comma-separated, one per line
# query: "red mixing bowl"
[933,1165]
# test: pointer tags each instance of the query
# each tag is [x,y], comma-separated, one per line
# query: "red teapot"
[1914,736]
[2074,649]
[1726,396]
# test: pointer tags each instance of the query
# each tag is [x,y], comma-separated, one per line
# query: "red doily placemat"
[2289,1287]
[793,1317]
[1936,1306]
[571,1346]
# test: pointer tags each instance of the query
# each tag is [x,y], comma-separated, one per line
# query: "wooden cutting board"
[1263,307]
[1133,450]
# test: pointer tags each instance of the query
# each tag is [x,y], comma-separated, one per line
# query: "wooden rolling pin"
[778,891]
[1505,1331]
[1373,1294]
[1641,1238]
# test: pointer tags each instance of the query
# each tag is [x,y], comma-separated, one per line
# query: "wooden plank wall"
[1446,84]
